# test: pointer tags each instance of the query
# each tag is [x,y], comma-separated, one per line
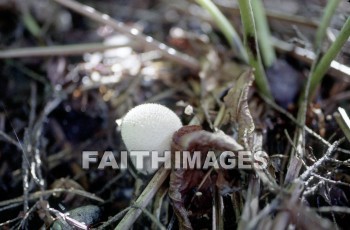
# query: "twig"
[343,95]
[151,217]
[158,203]
[114,218]
[146,41]
[36,134]
[312,190]
[27,71]
[269,208]
[334,209]
[145,197]
[10,221]
[251,44]
[330,180]
[216,222]
[10,206]
[26,163]
[307,129]
[33,103]
[283,218]
[72,222]
[292,19]
[251,206]
[26,216]
[318,163]
[336,69]
[37,195]
[110,183]
[295,147]
[338,162]
[9,139]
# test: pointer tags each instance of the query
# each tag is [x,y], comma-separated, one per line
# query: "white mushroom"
[149,127]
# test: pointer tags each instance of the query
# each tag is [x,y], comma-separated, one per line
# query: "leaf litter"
[54,108]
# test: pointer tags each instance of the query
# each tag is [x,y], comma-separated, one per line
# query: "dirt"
[54,106]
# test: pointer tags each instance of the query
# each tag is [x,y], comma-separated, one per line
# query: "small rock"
[87,215]
[285,82]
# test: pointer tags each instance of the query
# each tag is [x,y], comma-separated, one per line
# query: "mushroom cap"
[149,127]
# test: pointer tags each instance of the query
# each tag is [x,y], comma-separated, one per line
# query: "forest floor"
[69,74]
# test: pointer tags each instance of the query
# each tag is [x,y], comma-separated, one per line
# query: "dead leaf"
[190,189]
[237,110]
[181,180]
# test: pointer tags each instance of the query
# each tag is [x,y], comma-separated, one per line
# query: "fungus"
[149,127]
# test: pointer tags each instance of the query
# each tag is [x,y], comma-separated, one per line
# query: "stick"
[143,200]
[146,41]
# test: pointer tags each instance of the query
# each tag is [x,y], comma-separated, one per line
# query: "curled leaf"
[183,182]
[217,141]
[190,189]
[236,102]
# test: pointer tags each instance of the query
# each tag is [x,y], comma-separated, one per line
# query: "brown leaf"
[217,141]
[181,180]
[236,102]
[184,182]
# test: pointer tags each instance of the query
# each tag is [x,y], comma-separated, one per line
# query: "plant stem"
[226,28]
[60,50]
[273,15]
[336,69]
[251,44]
[325,21]
[297,153]
[343,121]
[318,69]
[28,20]
[267,52]
[323,65]
[143,200]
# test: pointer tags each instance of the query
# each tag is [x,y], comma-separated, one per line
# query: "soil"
[55,106]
